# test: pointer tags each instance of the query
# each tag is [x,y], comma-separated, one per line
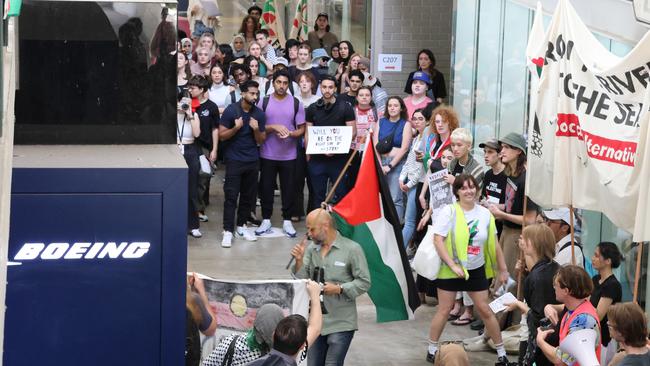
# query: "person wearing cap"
[253,344]
[304,64]
[495,180]
[559,220]
[294,333]
[321,37]
[427,63]
[418,99]
[267,55]
[281,63]
[513,155]
[320,61]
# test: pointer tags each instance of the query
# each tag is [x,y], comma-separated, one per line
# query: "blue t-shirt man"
[242,146]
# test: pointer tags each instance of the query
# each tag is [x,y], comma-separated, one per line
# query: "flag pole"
[521,252]
[338,180]
[571,225]
[637,274]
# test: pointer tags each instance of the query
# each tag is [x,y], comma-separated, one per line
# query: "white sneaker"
[288,229]
[242,231]
[203,217]
[196,233]
[226,242]
[265,227]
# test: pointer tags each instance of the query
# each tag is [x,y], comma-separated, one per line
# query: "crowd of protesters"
[249,106]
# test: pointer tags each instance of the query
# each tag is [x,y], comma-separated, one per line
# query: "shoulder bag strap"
[227,358]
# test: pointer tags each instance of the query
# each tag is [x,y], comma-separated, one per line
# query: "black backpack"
[192,341]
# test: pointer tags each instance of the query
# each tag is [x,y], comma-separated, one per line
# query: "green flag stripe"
[385,290]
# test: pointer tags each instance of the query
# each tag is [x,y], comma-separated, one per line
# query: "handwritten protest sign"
[329,139]
[440,191]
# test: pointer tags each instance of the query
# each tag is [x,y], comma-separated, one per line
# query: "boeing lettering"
[82,250]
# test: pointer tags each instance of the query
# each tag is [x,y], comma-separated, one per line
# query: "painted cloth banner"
[587,145]
[236,302]
[271,22]
[299,26]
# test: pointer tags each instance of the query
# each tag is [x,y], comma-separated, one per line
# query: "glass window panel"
[514,75]
[486,93]
[96,73]
[463,59]
[620,49]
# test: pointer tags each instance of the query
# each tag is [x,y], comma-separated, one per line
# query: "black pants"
[241,183]
[191,155]
[300,176]
[270,169]
[204,185]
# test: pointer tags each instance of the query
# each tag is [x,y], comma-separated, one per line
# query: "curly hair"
[448,115]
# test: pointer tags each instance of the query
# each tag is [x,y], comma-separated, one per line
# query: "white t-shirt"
[478,221]
[563,257]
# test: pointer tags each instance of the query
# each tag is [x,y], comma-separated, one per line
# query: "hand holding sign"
[329,140]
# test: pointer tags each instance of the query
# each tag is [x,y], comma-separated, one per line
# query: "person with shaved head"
[340,265]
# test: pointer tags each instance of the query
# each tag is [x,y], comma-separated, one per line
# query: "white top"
[563,257]
[218,94]
[478,221]
[184,129]
[307,102]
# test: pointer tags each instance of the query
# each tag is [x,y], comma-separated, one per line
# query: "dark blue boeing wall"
[87,310]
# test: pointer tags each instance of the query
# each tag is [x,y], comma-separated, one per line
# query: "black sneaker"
[477,325]
[503,361]
[431,357]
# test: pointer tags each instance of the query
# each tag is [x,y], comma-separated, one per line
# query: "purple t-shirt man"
[280,112]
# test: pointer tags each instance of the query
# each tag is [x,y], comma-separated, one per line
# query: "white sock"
[501,350]
[433,347]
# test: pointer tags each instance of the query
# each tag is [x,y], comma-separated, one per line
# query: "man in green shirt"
[345,277]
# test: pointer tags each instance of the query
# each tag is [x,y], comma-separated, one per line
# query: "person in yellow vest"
[465,238]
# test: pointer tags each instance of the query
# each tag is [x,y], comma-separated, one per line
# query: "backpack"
[296,107]
[586,263]
[192,341]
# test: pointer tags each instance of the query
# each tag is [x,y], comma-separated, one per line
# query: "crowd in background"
[249,106]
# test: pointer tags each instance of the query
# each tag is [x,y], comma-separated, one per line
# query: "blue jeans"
[410,219]
[392,178]
[330,350]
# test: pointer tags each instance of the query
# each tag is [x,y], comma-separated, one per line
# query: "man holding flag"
[340,265]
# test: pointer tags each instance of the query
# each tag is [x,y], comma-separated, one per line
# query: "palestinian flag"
[367,215]
[299,26]
[271,22]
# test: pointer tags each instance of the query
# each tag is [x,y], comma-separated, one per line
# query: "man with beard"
[344,277]
[328,111]
[286,117]
[243,128]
